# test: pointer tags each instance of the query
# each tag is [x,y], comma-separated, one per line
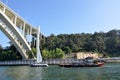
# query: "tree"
[45,54]
[59,53]
[56,53]
[1,48]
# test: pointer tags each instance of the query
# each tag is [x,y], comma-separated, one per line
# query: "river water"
[109,71]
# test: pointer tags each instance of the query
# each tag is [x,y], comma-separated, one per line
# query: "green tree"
[45,54]
[59,53]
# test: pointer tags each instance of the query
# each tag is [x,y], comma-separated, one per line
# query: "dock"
[16,63]
[28,62]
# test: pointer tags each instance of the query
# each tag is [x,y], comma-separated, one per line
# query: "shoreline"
[52,61]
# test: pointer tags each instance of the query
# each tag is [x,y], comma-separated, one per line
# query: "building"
[83,55]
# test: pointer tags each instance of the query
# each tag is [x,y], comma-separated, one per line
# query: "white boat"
[39,65]
[39,57]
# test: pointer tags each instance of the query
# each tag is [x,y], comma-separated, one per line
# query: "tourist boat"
[88,62]
[39,57]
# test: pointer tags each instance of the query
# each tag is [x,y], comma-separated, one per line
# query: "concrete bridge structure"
[16,29]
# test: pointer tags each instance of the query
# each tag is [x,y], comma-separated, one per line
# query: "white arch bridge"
[16,29]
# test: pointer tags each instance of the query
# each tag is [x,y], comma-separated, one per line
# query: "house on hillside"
[83,55]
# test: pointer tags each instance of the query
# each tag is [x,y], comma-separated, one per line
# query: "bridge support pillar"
[15,20]
[30,35]
[23,29]
[4,10]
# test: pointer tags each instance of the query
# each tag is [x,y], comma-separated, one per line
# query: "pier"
[16,63]
[28,62]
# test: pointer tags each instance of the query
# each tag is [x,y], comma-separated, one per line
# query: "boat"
[81,65]
[39,65]
[88,62]
[38,62]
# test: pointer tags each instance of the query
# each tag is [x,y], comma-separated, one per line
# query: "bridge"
[17,30]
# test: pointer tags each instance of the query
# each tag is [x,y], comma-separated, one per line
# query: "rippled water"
[109,71]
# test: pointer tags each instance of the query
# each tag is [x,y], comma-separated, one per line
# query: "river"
[110,71]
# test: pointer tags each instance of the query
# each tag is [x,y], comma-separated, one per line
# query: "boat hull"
[81,65]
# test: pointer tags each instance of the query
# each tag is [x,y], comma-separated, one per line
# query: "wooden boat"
[87,62]
[82,65]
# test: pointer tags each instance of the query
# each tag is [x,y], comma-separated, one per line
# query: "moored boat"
[88,62]
[81,65]
[38,62]
[39,65]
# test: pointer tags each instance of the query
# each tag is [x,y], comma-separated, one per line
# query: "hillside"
[57,46]
[100,42]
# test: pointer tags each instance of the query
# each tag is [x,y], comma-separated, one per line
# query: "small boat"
[88,62]
[39,65]
[38,62]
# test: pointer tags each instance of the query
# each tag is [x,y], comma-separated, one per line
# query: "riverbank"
[111,60]
[53,61]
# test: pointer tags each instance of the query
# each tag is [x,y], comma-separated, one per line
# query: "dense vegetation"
[56,46]
[9,53]
[100,42]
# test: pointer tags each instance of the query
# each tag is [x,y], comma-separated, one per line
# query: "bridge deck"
[16,19]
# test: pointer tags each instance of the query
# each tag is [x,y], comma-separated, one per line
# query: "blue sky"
[67,16]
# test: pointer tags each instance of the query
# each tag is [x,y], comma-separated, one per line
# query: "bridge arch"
[10,24]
